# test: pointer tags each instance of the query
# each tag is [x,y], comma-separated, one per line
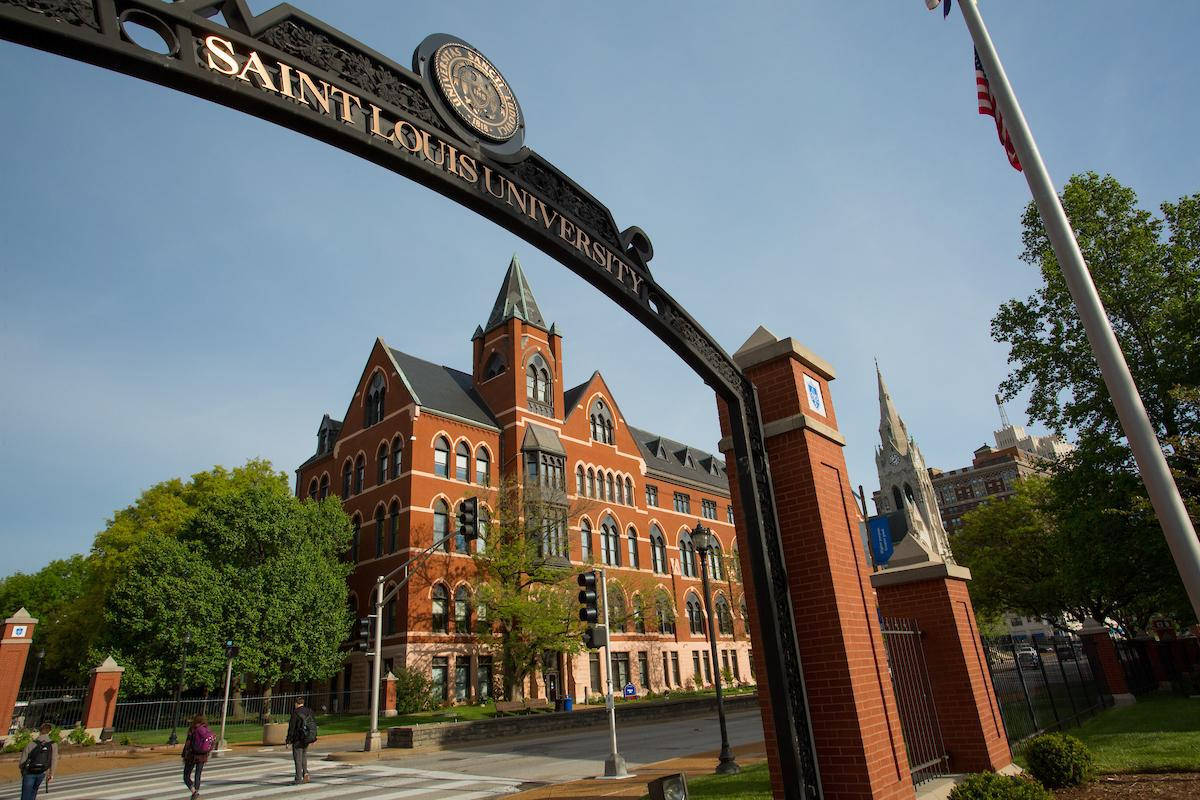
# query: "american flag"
[987,105]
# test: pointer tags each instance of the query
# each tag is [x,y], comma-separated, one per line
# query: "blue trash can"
[568,704]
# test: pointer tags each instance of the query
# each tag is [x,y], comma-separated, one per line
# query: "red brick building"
[418,437]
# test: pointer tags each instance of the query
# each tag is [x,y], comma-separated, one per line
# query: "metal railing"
[927,757]
[1135,661]
[159,715]
[61,706]
[1044,685]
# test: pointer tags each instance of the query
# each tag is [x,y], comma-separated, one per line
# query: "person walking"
[197,745]
[302,731]
[38,761]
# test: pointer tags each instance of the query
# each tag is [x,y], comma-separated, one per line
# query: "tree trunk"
[264,715]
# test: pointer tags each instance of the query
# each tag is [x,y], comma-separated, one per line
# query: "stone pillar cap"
[21,618]
[109,665]
[763,346]
[390,677]
[1092,626]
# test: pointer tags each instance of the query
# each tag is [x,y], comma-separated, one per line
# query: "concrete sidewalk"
[635,786]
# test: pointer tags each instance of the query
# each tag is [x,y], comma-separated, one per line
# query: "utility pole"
[614,765]
[374,740]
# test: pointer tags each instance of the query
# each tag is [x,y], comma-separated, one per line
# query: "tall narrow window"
[724,617]
[441,457]
[323,492]
[591,483]
[360,473]
[620,491]
[394,527]
[441,611]
[397,450]
[483,467]
[389,615]
[462,610]
[579,485]
[628,491]
[715,561]
[347,470]
[664,610]
[618,614]
[374,407]
[312,489]
[585,541]
[441,523]
[695,616]
[687,556]
[538,388]
[382,464]
[612,497]
[601,422]
[658,550]
[462,462]
[610,543]
[379,532]
[355,533]
[639,614]
[633,548]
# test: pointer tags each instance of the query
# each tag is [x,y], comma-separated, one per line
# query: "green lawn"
[1160,733]
[752,783]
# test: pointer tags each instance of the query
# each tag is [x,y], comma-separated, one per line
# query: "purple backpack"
[203,740]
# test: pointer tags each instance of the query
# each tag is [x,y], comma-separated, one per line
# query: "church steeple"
[515,300]
[891,428]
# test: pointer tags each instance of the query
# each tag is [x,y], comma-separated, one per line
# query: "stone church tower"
[904,486]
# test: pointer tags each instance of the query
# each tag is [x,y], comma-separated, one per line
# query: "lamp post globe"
[704,541]
[41,653]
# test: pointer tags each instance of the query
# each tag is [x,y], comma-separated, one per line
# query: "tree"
[526,592]
[47,595]
[251,562]
[1147,272]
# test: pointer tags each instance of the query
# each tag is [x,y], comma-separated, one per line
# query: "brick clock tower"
[904,486]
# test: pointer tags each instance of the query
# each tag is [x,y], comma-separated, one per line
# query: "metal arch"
[612,260]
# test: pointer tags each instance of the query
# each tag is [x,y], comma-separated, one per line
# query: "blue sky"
[186,286]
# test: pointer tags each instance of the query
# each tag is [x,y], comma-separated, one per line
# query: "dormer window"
[373,412]
[601,422]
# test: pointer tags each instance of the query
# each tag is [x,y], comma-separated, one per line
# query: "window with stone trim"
[683,503]
[462,462]
[658,550]
[708,509]
[440,609]
[651,495]
[374,410]
[441,457]
[397,452]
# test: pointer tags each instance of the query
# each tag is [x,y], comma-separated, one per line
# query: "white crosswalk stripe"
[253,778]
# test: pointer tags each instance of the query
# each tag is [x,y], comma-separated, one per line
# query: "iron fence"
[61,706]
[927,757]
[1135,661]
[1180,660]
[1045,685]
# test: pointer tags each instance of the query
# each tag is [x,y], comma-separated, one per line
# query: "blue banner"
[879,531]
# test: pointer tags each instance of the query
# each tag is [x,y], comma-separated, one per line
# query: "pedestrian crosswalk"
[252,778]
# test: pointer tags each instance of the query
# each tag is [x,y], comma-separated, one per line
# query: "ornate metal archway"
[451,123]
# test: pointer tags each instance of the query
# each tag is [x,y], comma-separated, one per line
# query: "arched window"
[312,489]
[908,493]
[360,473]
[601,420]
[379,532]
[724,617]
[608,479]
[441,611]
[695,615]
[495,366]
[618,614]
[397,451]
[735,564]
[579,484]
[639,614]
[664,610]
[441,523]
[394,527]
[591,483]
[628,492]
[610,543]
[389,615]
[483,466]
[658,550]
[347,471]
[631,540]
[355,533]
[715,570]
[383,463]
[462,462]
[481,524]
[687,555]
[441,457]
[899,500]
[462,610]
[374,411]
[745,613]
[585,541]
[323,492]
[537,380]
[620,491]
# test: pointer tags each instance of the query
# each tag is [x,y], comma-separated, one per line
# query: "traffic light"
[364,634]
[468,518]
[231,649]
[595,637]
[589,610]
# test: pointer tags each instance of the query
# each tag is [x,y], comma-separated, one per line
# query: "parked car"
[1028,657]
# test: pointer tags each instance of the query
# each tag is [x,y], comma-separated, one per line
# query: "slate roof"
[539,437]
[571,396]
[675,463]
[439,388]
[515,300]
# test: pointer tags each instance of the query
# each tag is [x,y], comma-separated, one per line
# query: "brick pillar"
[935,595]
[855,725]
[389,695]
[14,651]
[1106,666]
[1155,652]
[100,704]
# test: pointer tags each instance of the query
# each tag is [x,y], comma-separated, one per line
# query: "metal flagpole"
[1164,495]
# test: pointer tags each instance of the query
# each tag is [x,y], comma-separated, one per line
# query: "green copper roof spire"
[515,300]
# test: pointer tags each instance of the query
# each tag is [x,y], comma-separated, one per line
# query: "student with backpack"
[198,743]
[302,731]
[37,762]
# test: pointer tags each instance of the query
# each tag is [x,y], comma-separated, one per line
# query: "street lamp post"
[37,670]
[187,638]
[704,540]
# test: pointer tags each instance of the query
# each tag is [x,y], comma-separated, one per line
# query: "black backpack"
[308,729]
[39,758]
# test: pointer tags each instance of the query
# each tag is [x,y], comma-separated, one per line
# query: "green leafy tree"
[48,595]
[526,594]
[251,562]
